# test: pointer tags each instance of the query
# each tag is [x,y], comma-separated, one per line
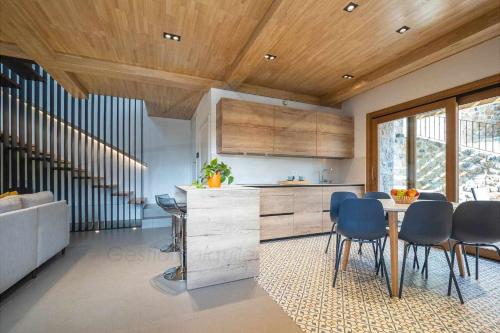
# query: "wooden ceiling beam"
[28,36]
[83,65]
[468,35]
[263,38]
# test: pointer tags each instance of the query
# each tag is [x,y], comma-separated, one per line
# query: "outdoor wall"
[254,169]
[473,64]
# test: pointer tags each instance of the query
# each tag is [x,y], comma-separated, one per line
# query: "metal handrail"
[473,134]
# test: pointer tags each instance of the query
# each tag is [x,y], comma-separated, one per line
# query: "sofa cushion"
[36,199]
[10,203]
[8,194]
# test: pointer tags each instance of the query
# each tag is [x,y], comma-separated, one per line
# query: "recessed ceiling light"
[351,6]
[347,76]
[174,37]
[269,57]
[403,29]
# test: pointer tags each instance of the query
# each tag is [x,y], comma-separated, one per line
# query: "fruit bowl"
[405,199]
[401,196]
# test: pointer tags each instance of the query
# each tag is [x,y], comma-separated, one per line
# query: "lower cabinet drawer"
[307,223]
[276,226]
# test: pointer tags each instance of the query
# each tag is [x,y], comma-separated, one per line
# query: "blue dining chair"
[335,200]
[374,195]
[427,223]
[432,196]
[476,223]
[377,195]
[361,221]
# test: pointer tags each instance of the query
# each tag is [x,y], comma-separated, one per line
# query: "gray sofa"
[33,228]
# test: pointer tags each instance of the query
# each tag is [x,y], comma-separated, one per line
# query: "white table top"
[390,206]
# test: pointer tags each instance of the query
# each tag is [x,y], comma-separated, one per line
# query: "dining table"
[393,209]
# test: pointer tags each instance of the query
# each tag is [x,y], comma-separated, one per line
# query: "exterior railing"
[472,134]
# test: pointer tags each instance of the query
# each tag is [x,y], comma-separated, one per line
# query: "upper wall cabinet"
[335,136]
[244,127]
[254,128]
[294,132]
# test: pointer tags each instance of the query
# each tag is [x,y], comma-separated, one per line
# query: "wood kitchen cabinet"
[298,210]
[254,128]
[335,136]
[244,127]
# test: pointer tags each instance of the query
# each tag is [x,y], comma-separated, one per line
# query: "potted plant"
[215,173]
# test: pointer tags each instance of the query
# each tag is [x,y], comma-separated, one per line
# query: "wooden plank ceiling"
[115,47]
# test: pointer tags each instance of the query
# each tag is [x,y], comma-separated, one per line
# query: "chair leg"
[477,262]
[466,260]
[384,268]
[360,252]
[337,263]
[427,262]
[382,253]
[453,276]
[452,250]
[375,253]
[337,244]
[415,258]
[405,253]
[330,238]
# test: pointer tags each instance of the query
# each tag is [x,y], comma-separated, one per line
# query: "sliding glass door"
[412,149]
[479,147]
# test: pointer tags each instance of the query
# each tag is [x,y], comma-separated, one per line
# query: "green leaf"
[230,179]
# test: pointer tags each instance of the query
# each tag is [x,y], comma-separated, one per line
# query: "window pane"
[430,151]
[479,150]
[392,143]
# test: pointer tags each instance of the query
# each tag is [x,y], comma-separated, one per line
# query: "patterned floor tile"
[297,274]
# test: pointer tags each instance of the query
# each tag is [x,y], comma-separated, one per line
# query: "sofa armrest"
[18,245]
[53,229]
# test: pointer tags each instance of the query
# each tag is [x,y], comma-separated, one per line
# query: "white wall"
[255,169]
[168,155]
[470,65]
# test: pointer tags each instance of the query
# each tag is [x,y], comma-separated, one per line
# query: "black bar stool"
[178,213]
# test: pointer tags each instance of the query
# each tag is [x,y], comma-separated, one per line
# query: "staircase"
[87,152]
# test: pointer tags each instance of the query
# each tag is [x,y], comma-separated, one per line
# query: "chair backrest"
[427,222]
[361,219]
[432,196]
[336,199]
[377,195]
[477,222]
[168,203]
[480,193]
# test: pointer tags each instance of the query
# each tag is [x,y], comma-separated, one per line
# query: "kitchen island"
[222,234]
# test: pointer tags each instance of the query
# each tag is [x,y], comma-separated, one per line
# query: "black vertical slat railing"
[112,153]
[21,120]
[98,162]
[5,134]
[72,147]
[37,125]
[105,139]
[87,174]
[123,162]
[14,135]
[71,174]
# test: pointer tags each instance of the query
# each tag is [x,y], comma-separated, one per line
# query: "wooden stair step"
[7,82]
[104,185]
[122,194]
[137,201]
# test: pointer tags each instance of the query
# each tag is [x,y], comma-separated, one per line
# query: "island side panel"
[222,236]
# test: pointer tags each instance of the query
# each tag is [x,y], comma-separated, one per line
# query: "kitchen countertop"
[300,185]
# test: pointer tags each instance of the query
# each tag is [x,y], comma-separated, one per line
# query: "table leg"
[460,260]
[346,250]
[393,241]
